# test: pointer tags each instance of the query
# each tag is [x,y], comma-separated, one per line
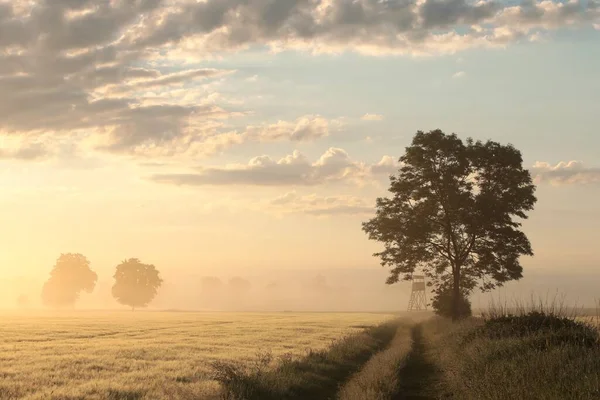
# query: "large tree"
[136,284]
[70,276]
[455,213]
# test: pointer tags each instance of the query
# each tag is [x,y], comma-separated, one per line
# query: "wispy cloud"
[28,152]
[372,117]
[459,74]
[304,129]
[312,204]
[335,165]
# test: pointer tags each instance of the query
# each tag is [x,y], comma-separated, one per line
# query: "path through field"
[420,377]
[404,370]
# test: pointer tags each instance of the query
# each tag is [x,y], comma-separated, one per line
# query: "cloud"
[366,26]
[565,173]
[293,203]
[309,127]
[386,166]
[163,81]
[372,117]
[27,152]
[158,129]
[304,129]
[459,74]
[335,165]
[125,72]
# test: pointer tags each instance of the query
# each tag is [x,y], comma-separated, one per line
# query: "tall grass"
[539,350]
[555,305]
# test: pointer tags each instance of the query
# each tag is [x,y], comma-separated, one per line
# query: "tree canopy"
[136,284]
[455,213]
[70,276]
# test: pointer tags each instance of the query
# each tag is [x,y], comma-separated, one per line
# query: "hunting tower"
[418,300]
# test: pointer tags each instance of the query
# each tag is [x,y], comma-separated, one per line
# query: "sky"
[254,135]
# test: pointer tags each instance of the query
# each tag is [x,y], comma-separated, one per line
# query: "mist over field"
[347,290]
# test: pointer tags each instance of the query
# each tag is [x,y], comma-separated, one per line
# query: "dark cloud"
[445,14]
[68,65]
[389,25]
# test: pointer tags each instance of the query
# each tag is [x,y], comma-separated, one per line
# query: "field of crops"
[126,355]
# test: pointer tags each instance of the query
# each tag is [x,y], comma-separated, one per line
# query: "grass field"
[534,354]
[149,355]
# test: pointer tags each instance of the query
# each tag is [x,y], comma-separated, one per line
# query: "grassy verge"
[318,375]
[379,378]
[532,353]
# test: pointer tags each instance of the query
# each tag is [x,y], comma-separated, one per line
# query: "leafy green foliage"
[136,284]
[454,213]
[70,276]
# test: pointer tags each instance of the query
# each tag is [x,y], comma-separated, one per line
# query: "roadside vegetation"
[536,351]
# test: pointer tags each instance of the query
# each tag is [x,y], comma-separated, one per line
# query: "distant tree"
[211,292]
[454,214]
[319,284]
[70,276]
[136,284]
[239,286]
[211,284]
[443,303]
[23,301]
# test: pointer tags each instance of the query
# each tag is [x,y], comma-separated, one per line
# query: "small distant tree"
[23,301]
[455,213]
[239,286]
[70,276]
[211,285]
[136,284]
[319,284]
[443,303]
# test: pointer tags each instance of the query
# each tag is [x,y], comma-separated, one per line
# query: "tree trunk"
[456,294]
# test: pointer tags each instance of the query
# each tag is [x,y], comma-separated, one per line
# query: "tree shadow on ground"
[420,379]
